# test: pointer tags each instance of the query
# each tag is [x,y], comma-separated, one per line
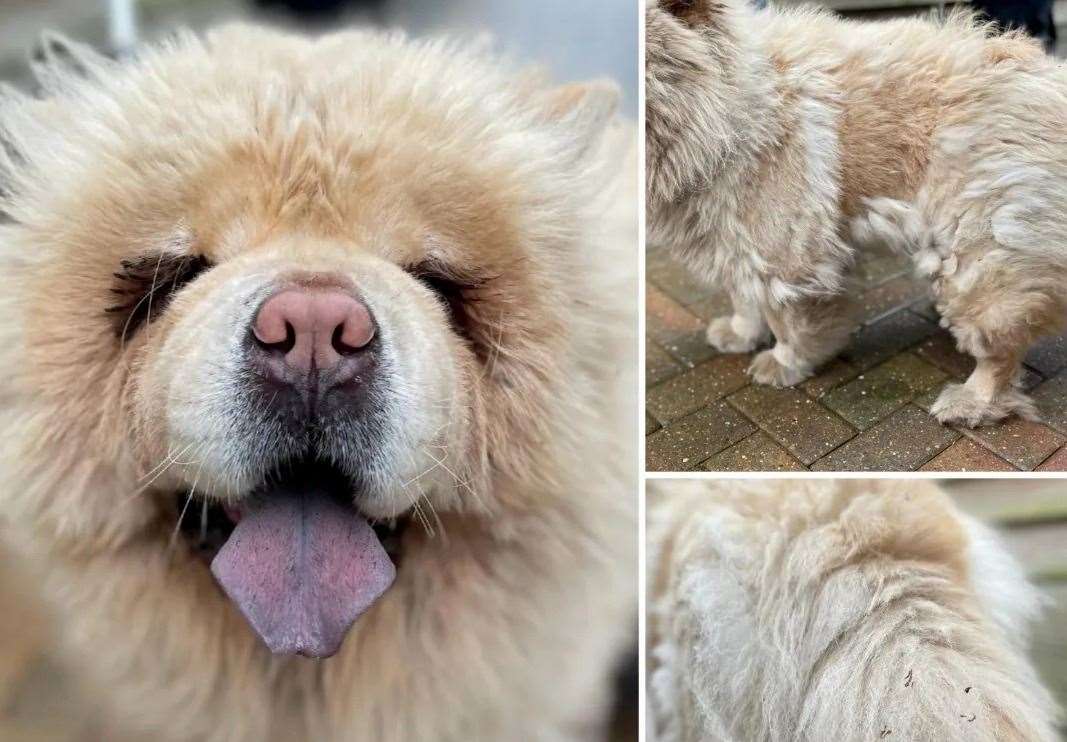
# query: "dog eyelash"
[455,289]
[445,282]
[145,285]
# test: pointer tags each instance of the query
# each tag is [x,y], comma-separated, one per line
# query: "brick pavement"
[867,410]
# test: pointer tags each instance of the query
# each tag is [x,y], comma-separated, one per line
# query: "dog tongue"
[302,567]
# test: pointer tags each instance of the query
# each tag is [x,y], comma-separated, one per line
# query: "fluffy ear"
[56,60]
[692,12]
[581,110]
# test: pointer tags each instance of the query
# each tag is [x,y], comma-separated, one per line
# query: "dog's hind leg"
[742,332]
[996,325]
[990,393]
[807,333]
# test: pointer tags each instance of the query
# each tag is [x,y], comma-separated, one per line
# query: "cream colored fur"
[814,610]
[358,154]
[781,142]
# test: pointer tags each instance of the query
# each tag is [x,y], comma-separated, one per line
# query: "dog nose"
[312,329]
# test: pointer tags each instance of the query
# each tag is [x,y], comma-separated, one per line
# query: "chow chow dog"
[312,348]
[813,610]
[781,142]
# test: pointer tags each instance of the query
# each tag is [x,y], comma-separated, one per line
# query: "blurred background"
[1031,515]
[40,699]
[575,40]
[1040,18]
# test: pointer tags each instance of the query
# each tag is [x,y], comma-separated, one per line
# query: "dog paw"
[958,405]
[766,369]
[721,337]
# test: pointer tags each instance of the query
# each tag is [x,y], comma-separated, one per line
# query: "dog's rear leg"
[808,333]
[990,393]
[996,327]
[742,332]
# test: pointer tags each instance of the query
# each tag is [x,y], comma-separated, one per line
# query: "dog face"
[352,259]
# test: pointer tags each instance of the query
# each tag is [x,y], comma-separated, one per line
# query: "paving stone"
[1051,399]
[651,424]
[692,440]
[926,400]
[1048,356]
[659,366]
[1055,462]
[874,395]
[940,350]
[896,293]
[886,337]
[833,374]
[716,305]
[674,279]
[904,441]
[1030,379]
[877,266]
[925,309]
[710,381]
[1022,442]
[675,329]
[758,452]
[967,456]
[693,349]
[804,427]
[667,319]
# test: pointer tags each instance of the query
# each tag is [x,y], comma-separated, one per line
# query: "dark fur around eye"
[144,287]
[456,289]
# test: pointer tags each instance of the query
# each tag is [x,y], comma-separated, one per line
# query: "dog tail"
[932,640]
[901,227]
[868,612]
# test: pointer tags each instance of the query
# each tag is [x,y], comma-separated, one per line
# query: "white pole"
[122,25]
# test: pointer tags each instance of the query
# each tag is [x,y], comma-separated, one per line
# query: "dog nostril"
[282,346]
[339,345]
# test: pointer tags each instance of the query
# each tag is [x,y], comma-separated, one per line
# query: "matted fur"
[814,610]
[781,142]
[357,154]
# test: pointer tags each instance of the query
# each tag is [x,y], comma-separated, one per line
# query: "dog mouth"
[296,557]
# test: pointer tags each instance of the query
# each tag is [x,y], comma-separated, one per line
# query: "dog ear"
[692,12]
[581,111]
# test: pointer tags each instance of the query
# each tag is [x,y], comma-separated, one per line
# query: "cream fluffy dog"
[265,301]
[780,142]
[814,610]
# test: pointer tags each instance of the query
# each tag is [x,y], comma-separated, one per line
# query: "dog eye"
[443,286]
[144,287]
[455,290]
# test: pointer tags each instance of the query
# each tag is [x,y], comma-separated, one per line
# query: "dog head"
[245,268]
[695,65]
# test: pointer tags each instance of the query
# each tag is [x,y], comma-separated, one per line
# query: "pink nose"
[313,328]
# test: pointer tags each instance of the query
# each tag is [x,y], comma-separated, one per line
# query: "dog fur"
[813,610]
[781,142]
[510,443]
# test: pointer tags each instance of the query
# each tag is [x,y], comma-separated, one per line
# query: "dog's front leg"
[807,333]
[743,331]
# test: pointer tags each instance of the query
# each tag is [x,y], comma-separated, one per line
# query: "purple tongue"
[302,567]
